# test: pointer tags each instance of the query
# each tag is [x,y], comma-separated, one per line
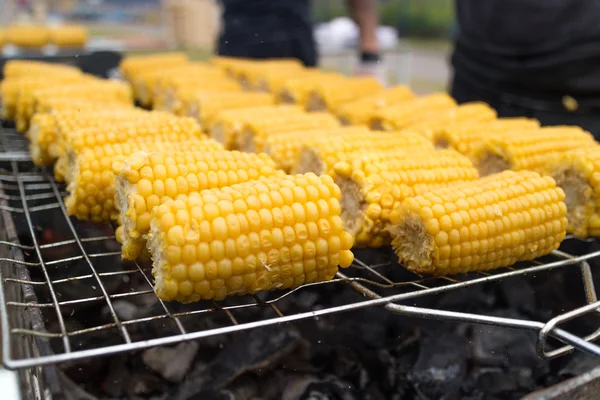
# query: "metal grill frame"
[14,272]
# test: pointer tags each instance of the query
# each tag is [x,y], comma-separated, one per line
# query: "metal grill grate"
[54,267]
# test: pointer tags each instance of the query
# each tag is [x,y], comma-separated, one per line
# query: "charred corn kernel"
[226,126]
[69,35]
[154,126]
[255,133]
[321,155]
[371,191]
[91,176]
[465,137]
[359,112]
[285,148]
[18,68]
[489,223]
[174,95]
[577,172]
[437,120]
[329,96]
[527,149]
[298,90]
[28,35]
[398,116]
[236,257]
[182,173]
[204,105]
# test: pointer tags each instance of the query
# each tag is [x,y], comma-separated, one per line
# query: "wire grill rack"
[53,267]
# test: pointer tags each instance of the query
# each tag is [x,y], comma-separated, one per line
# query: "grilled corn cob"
[298,90]
[226,126]
[255,133]
[69,36]
[19,68]
[147,180]
[151,127]
[465,137]
[398,116]
[360,112]
[148,85]
[489,223]
[91,180]
[28,35]
[45,128]
[2,38]
[133,65]
[329,96]
[321,155]
[527,149]
[577,172]
[245,71]
[247,238]
[285,149]
[437,120]
[98,91]
[174,95]
[204,105]
[371,191]
[12,89]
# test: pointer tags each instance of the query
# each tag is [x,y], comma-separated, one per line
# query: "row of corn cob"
[36,36]
[217,222]
[375,186]
[387,187]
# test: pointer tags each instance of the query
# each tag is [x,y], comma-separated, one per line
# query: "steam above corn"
[251,175]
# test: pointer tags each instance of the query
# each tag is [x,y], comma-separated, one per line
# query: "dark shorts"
[514,106]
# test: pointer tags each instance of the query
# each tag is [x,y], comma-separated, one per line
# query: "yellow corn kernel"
[398,116]
[182,173]
[255,133]
[527,149]
[91,175]
[359,112]
[464,137]
[235,258]
[577,172]
[489,223]
[371,191]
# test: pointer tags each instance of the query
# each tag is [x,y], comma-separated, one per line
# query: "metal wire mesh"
[65,266]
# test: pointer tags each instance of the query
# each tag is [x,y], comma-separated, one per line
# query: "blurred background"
[414,34]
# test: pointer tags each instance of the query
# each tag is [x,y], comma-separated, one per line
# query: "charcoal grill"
[26,269]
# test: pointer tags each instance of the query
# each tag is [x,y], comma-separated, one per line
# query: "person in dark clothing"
[535,58]
[283,29]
